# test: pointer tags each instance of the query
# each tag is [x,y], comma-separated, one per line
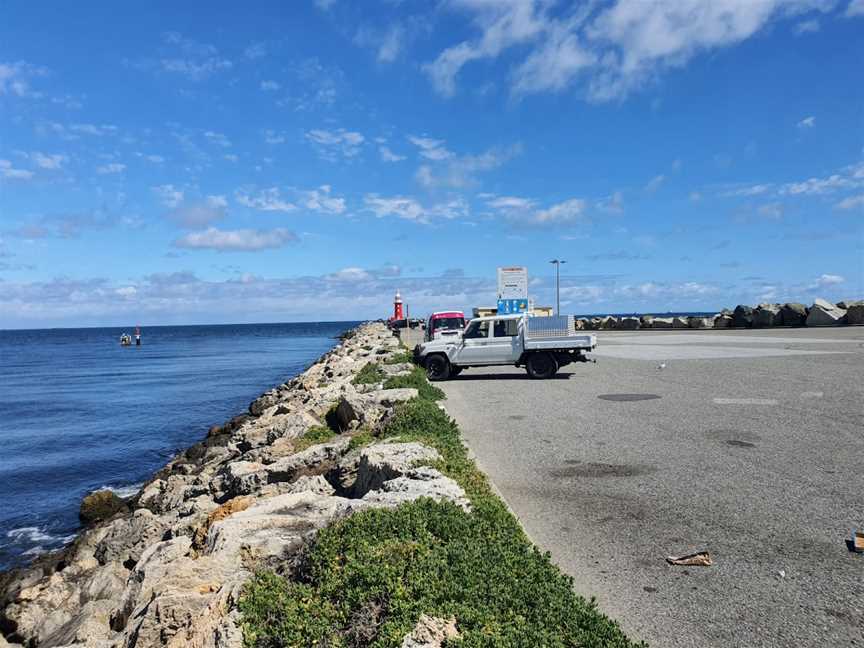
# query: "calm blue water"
[79,412]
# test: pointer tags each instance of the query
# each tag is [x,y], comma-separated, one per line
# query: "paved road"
[749,444]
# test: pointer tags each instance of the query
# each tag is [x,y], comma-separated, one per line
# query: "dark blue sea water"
[79,412]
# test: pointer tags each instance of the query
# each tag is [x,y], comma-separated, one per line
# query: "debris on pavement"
[856,543]
[698,559]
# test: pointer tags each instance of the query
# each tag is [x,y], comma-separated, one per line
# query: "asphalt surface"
[747,444]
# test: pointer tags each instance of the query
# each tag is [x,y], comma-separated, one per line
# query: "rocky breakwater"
[166,567]
[820,313]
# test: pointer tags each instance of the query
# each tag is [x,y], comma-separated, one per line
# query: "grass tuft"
[369,375]
[400,357]
[313,436]
[417,380]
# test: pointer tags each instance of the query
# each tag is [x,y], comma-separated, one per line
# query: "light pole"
[557,263]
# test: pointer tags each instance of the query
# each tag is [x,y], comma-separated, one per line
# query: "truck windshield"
[448,323]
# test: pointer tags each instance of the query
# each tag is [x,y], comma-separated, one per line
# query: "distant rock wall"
[166,567]
[821,313]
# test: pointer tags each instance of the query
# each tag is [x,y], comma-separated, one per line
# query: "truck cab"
[540,344]
[444,324]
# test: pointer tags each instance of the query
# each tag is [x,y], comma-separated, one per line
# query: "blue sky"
[176,163]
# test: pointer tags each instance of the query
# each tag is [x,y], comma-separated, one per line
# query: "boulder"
[100,505]
[418,482]
[391,397]
[742,317]
[766,316]
[381,462]
[316,460]
[127,538]
[680,322]
[722,320]
[855,314]
[431,632]
[793,314]
[400,369]
[628,323]
[700,322]
[646,321]
[579,324]
[608,323]
[662,323]
[824,313]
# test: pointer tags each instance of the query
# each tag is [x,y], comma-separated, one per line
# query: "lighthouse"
[397,306]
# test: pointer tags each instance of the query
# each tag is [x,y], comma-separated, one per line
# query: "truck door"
[504,342]
[475,342]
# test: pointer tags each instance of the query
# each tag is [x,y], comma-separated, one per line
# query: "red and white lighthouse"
[397,306]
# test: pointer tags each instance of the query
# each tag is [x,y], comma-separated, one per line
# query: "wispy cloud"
[322,200]
[239,240]
[807,122]
[264,200]
[333,144]
[389,156]
[16,77]
[112,168]
[408,208]
[10,172]
[192,214]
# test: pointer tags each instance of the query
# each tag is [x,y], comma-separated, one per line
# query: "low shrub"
[369,375]
[400,357]
[417,380]
[313,436]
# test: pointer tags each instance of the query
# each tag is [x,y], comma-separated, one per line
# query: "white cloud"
[111,168]
[266,200]
[807,27]
[241,240]
[616,49]
[10,172]
[192,215]
[332,144]
[458,172]
[807,122]
[511,203]
[274,137]
[270,86]
[324,5]
[169,195]
[398,206]
[852,202]
[389,156]
[772,211]
[855,8]
[826,281]
[255,51]
[569,211]
[320,200]
[92,129]
[126,291]
[217,138]
[196,61]
[387,43]
[431,149]
[614,204]
[15,78]
[655,183]
[50,161]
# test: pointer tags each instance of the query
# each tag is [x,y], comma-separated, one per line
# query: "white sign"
[513,283]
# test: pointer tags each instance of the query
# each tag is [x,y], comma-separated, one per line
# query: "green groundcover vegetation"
[366,579]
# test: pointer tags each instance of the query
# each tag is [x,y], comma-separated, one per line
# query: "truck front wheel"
[437,368]
[541,365]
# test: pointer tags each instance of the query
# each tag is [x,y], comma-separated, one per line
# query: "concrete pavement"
[749,444]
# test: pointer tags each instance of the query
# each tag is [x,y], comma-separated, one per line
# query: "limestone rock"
[431,632]
[608,323]
[381,462]
[680,322]
[824,313]
[647,321]
[415,483]
[662,323]
[315,460]
[401,369]
[127,538]
[100,505]
[700,322]
[766,316]
[742,317]
[793,314]
[391,397]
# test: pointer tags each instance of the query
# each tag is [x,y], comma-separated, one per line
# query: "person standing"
[137,336]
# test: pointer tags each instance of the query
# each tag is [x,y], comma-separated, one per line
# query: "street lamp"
[557,263]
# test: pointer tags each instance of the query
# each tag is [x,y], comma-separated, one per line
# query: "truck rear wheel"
[541,365]
[437,368]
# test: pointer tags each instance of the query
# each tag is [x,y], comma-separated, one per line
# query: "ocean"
[79,412]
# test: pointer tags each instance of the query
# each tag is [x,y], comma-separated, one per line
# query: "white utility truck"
[540,344]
